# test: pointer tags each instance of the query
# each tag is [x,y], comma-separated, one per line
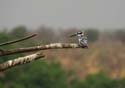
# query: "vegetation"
[93,34]
[66,68]
[99,80]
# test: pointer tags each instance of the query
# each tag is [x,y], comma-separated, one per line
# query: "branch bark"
[41,47]
[21,60]
[17,40]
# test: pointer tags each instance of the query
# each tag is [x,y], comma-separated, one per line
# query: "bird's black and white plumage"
[82,39]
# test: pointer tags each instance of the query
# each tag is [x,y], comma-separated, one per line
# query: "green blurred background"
[100,66]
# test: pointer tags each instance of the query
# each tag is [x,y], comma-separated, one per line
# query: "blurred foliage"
[35,75]
[120,35]
[40,74]
[92,34]
[19,31]
[99,80]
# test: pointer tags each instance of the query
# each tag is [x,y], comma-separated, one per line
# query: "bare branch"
[20,61]
[41,47]
[17,40]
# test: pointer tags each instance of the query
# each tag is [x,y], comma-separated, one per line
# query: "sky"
[101,14]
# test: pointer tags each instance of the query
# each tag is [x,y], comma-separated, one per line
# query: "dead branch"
[41,47]
[18,40]
[20,61]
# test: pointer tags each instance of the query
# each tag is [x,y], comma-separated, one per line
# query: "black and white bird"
[82,39]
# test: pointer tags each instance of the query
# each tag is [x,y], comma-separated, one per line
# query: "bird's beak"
[73,35]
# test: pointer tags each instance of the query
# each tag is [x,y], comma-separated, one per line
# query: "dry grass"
[107,57]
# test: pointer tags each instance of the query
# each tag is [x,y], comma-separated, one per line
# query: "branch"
[41,47]
[17,40]
[20,61]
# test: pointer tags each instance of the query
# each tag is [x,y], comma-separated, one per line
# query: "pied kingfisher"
[82,39]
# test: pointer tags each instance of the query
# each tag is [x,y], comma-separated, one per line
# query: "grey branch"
[20,60]
[18,40]
[41,47]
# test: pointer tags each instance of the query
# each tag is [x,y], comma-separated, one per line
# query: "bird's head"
[78,33]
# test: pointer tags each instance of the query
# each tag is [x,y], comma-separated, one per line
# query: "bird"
[82,39]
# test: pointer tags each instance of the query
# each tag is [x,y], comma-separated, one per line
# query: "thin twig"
[17,40]
[20,61]
[41,47]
